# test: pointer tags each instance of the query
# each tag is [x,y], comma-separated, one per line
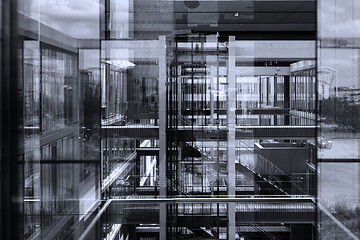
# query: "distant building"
[350,95]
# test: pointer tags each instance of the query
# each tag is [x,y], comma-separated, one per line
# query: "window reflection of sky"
[78,19]
[345,62]
[339,18]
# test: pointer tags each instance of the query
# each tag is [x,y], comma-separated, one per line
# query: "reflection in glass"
[185,119]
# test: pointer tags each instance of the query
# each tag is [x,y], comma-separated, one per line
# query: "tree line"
[340,112]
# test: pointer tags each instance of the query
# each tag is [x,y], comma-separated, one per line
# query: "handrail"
[116,173]
[259,229]
[240,199]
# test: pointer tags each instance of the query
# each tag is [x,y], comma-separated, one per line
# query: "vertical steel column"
[11,183]
[179,89]
[162,135]
[210,60]
[162,116]
[275,96]
[286,98]
[231,142]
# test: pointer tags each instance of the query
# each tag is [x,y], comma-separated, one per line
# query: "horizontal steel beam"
[211,133]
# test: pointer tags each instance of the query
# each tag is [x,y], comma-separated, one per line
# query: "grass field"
[340,181]
[339,188]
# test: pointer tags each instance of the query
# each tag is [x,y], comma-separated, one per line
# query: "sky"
[80,19]
[345,62]
[339,18]
[76,18]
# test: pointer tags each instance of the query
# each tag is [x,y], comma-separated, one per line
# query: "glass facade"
[338,138]
[169,119]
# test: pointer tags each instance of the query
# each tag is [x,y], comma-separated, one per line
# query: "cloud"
[345,62]
[338,19]
[78,19]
